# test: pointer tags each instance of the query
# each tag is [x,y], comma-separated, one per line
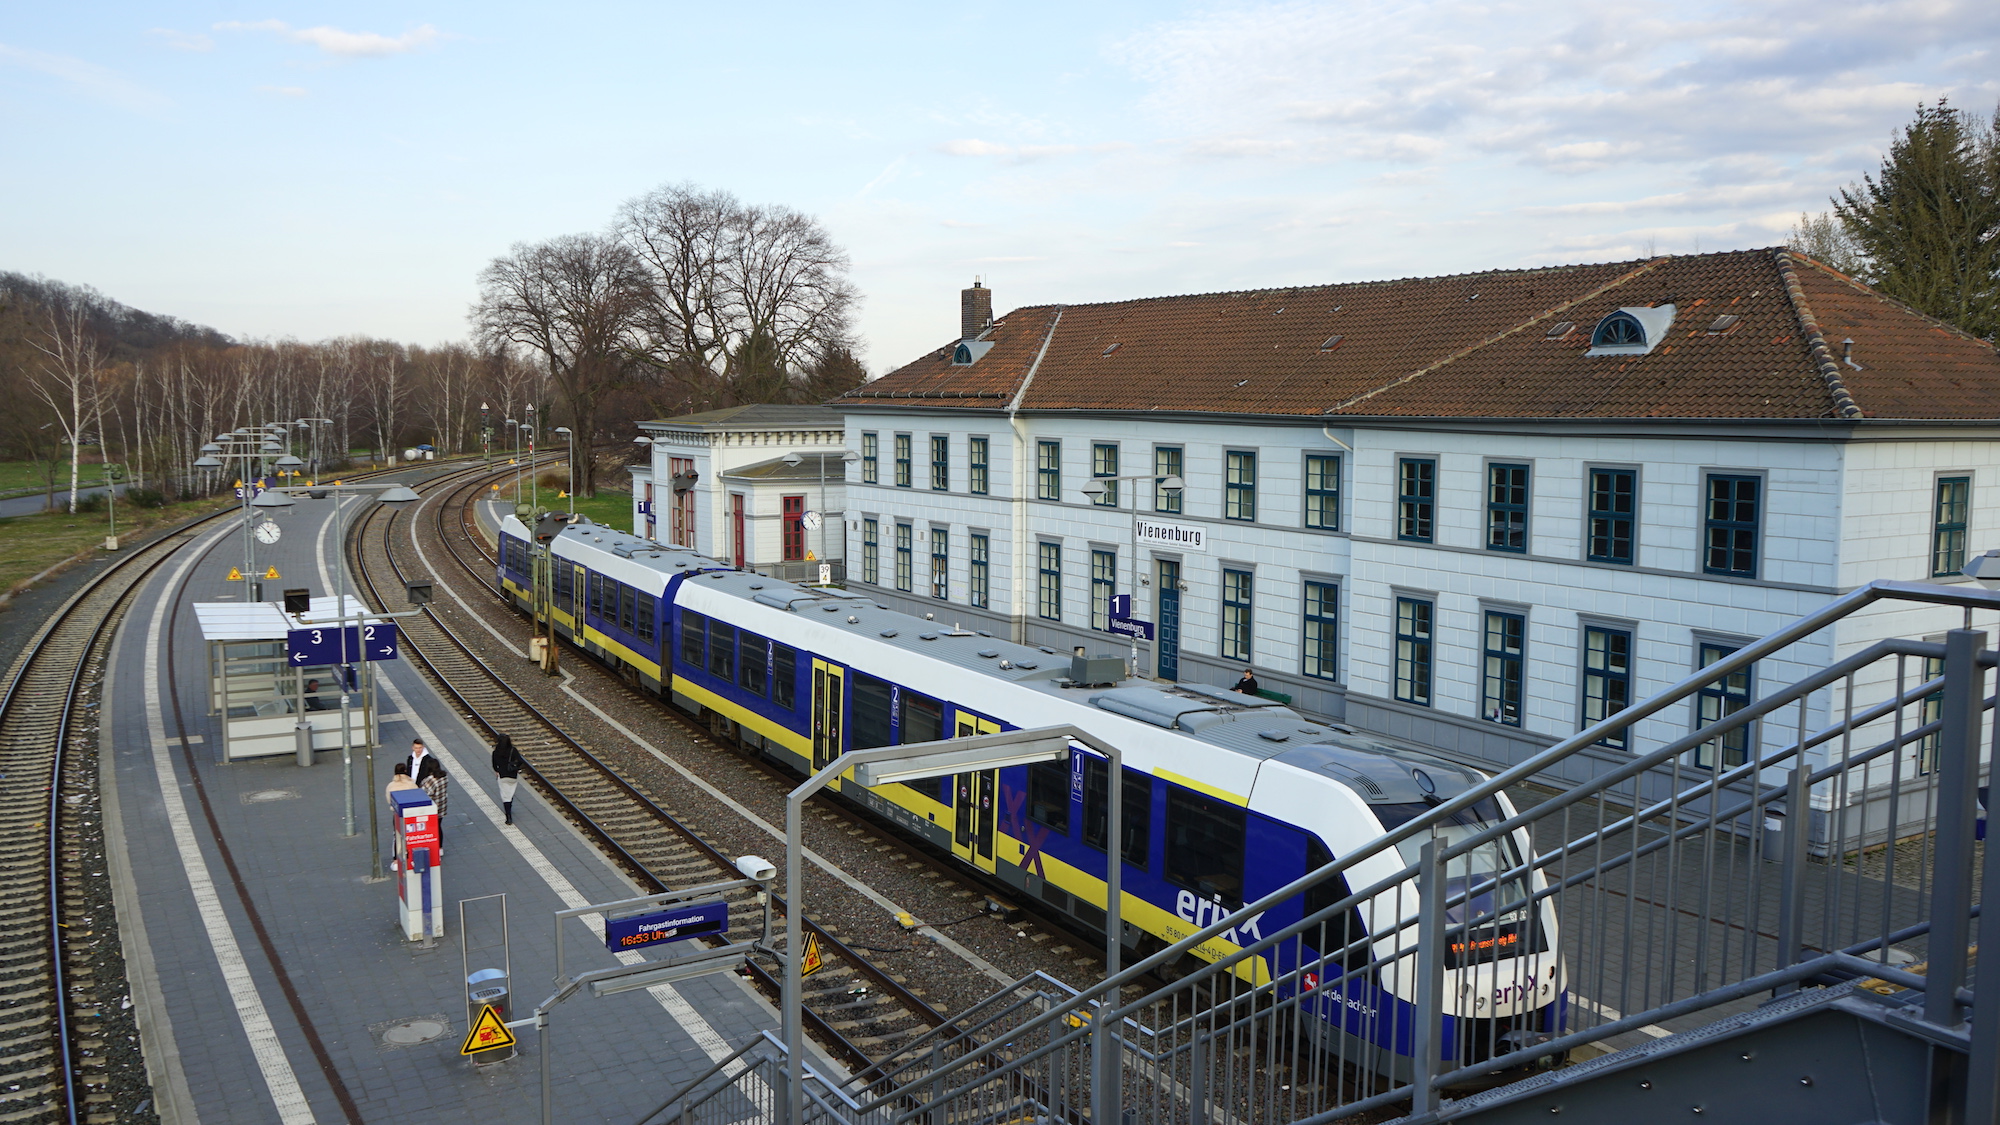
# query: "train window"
[694,630]
[868,723]
[643,612]
[625,607]
[1137,810]
[722,651]
[1048,795]
[1395,816]
[753,664]
[784,675]
[591,581]
[923,719]
[1205,844]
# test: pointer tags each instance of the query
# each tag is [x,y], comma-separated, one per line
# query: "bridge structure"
[1793,937]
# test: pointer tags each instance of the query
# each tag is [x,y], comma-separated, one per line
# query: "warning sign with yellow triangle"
[489,1033]
[271,572]
[235,575]
[812,962]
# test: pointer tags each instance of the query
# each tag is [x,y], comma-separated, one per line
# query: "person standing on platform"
[507,767]
[401,780]
[430,776]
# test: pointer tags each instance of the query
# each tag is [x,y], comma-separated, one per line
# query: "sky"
[316,170]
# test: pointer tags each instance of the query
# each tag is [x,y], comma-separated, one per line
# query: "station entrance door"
[826,712]
[975,801]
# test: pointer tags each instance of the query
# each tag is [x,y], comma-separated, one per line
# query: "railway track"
[853,1008]
[63,1001]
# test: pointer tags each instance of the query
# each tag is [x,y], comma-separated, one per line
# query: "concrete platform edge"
[172,1099]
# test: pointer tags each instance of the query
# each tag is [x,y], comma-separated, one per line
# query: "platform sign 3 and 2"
[375,640]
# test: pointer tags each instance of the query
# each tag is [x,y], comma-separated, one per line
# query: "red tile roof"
[1480,345]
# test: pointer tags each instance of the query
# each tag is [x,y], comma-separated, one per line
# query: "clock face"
[809,521]
[267,532]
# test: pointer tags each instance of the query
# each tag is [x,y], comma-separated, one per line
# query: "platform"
[266,965]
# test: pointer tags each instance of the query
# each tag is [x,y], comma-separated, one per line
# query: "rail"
[1821,834]
[469,668]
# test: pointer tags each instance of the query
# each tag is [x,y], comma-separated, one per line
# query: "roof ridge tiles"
[1644,268]
[1829,370]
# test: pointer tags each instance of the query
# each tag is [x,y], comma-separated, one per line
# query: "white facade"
[733,506]
[1830,514]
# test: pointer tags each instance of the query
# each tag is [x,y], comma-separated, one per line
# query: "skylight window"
[1722,324]
[1560,329]
[961,356]
[1109,350]
[1635,330]
[1332,342]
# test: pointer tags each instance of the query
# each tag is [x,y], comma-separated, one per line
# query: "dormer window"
[1631,331]
[1618,331]
[967,352]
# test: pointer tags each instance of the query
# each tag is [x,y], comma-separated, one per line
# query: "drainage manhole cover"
[264,796]
[411,1032]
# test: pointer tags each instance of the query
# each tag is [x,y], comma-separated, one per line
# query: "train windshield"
[1501,928]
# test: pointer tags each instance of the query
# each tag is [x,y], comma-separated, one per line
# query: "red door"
[795,532]
[736,523]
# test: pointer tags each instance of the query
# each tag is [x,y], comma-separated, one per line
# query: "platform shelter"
[263,694]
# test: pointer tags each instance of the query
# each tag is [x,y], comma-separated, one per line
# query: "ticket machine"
[419,869]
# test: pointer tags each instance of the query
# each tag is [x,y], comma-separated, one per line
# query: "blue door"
[1170,620]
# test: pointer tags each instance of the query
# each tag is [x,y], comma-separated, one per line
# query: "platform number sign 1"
[489,1033]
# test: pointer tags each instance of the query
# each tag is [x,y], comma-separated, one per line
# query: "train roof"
[1381,769]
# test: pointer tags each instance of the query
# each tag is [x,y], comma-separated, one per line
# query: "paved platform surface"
[267,966]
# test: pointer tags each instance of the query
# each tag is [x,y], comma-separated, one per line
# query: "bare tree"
[575,302]
[741,302]
[65,379]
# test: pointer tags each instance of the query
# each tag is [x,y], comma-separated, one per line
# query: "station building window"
[1322,631]
[871,467]
[1717,700]
[1502,679]
[905,576]
[1507,507]
[1416,499]
[1239,492]
[976,481]
[940,462]
[1949,512]
[1607,679]
[1166,463]
[1323,491]
[1413,650]
[1048,601]
[979,578]
[1103,583]
[902,460]
[1614,497]
[1236,614]
[1104,463]
[871,551]
[1731,525]
[1048,470]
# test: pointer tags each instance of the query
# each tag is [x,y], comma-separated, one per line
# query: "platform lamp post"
[571,436]
[485,434]
[515,428]
[916,762]
[1096,490]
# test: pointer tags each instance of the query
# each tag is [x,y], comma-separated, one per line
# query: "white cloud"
[89,79]
[339,43]
[181,40]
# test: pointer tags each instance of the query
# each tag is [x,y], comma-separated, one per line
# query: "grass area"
[32,544]
[19,478]
[608,507]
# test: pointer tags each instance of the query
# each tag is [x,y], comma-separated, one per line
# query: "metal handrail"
[1041,1038]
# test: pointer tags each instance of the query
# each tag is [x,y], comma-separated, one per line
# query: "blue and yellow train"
[1226,797]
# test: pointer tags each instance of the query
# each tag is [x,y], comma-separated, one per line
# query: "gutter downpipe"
[1023,470]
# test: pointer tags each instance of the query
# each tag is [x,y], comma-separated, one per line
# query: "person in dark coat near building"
[1248,684]
[507,767]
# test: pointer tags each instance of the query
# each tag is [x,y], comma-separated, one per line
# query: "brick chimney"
[975,310]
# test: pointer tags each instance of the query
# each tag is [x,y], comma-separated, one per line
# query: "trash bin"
[489,986]
[303,732]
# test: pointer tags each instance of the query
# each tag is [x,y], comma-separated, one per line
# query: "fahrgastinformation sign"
[654,926]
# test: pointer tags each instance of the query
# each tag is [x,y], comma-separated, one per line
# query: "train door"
[826,712]
[1170,620]
[576,604]
[975,801]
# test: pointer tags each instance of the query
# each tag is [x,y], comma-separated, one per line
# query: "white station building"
[1479,511]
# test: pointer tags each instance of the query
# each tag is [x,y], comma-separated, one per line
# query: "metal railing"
[1821,833]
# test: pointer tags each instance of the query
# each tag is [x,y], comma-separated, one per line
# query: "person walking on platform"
[507,767]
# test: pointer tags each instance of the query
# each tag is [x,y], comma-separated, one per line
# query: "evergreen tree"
[836,373]
[1929,224]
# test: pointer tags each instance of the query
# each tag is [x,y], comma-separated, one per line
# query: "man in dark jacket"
[1248,684]
[430,776]
[507,767]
